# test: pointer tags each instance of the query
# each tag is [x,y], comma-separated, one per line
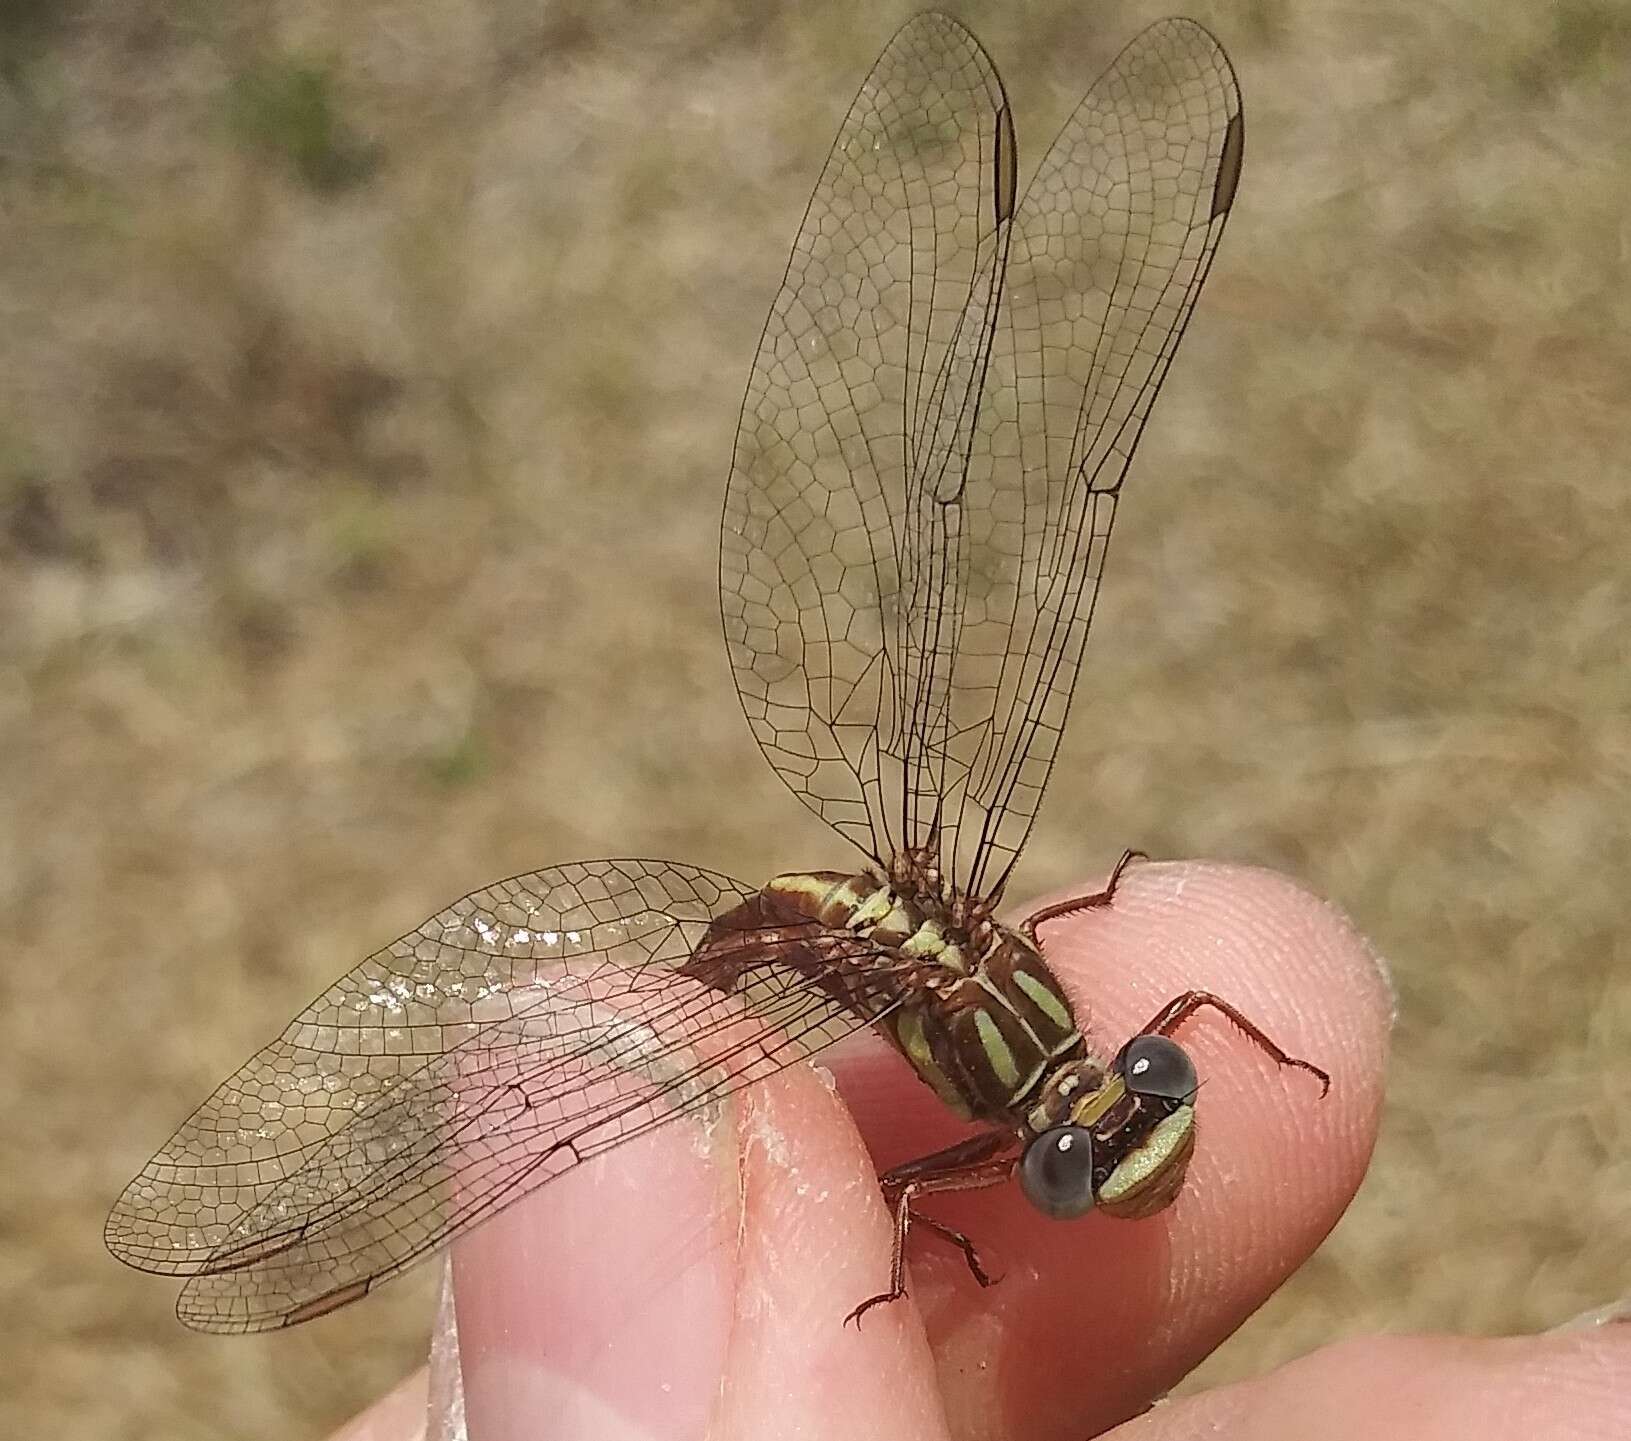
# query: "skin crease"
[694,1285]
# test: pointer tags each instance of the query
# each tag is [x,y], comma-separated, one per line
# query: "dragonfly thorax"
[969,1003]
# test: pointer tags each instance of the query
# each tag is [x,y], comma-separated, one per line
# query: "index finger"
[1093,1319]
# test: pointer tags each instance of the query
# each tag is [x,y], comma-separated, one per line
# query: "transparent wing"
[1112,243]
[855,431]
[527,1027]
[943,406]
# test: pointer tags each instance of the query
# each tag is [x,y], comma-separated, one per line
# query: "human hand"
[695,1286]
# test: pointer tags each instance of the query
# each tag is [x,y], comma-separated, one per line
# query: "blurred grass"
[287,108]
[358,545]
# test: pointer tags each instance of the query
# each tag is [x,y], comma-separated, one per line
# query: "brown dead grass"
[358,542]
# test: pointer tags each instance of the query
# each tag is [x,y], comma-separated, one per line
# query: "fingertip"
[1275,1162]
[1289,960]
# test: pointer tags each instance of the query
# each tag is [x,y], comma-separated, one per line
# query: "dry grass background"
[368,382]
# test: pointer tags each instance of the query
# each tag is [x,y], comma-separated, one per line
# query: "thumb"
[1420,1388]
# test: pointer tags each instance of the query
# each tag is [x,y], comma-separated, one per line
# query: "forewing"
[838,575]
[1111,244]
[527,1027]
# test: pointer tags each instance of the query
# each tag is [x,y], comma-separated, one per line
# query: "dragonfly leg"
[984,1160]
[1079,903]
[947,1233]
[1180,1008]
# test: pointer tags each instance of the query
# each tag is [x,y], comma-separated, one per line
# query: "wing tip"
[236,1313]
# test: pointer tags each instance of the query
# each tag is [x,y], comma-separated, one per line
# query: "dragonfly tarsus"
[1180,1008]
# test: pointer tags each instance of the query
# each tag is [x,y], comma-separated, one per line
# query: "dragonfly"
[938,422]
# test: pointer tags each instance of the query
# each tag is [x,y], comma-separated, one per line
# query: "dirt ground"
[366,395]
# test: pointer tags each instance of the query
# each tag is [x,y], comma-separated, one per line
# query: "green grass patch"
[463,763]
[288,110]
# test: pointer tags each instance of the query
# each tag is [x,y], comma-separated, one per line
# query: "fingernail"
[1385,971]
[601,1308]
[525,1399]
[1616,1312]
[445,1412]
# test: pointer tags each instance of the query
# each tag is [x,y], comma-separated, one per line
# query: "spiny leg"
[989,1173]
[1180,1008]
[967,1166]
[970,1252]
[1080,903]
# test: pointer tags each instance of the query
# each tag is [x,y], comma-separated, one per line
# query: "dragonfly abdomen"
[979,1016]
[868,908]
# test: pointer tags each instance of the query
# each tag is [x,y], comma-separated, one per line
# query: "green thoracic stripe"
[1045,999]
[909,1030]
[997,1049]
[1007,1004]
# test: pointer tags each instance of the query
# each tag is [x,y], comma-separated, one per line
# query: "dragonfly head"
[1117,1139]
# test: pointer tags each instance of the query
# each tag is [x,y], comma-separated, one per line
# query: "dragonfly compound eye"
[1156,1067]
[1056,1172]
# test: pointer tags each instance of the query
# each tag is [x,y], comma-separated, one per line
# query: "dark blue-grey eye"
[1156,1067]
[1056,1172]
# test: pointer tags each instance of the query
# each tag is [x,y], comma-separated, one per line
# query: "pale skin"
[694,1286]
